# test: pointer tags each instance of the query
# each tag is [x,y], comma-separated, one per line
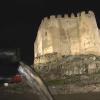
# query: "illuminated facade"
[66,35]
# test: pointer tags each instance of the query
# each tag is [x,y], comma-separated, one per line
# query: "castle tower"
[68,35]
[89,34]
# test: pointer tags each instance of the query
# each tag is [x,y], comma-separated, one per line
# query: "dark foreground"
[30,96]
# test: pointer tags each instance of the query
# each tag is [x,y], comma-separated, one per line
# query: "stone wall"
[69,65]
[47,58]
[66,35]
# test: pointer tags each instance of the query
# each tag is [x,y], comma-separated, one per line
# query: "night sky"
[19,21]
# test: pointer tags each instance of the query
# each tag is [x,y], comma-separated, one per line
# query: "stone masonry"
[66,35]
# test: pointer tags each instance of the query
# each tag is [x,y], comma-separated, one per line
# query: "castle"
[66,35]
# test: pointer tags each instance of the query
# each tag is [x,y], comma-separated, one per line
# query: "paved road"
[13,96]
[29,96]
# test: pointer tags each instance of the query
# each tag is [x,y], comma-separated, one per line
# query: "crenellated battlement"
[59,16]
[52,17]
[71,16]
[45,19]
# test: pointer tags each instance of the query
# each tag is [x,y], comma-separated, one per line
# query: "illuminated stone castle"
[66,35]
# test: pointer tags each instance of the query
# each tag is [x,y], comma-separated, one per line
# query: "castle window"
[45,33]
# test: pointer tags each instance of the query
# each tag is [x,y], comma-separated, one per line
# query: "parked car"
[9,62]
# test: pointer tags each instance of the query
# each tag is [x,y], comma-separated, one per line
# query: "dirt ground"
[23,92]
[29,96]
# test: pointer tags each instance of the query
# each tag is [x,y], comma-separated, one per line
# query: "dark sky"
[19,20]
